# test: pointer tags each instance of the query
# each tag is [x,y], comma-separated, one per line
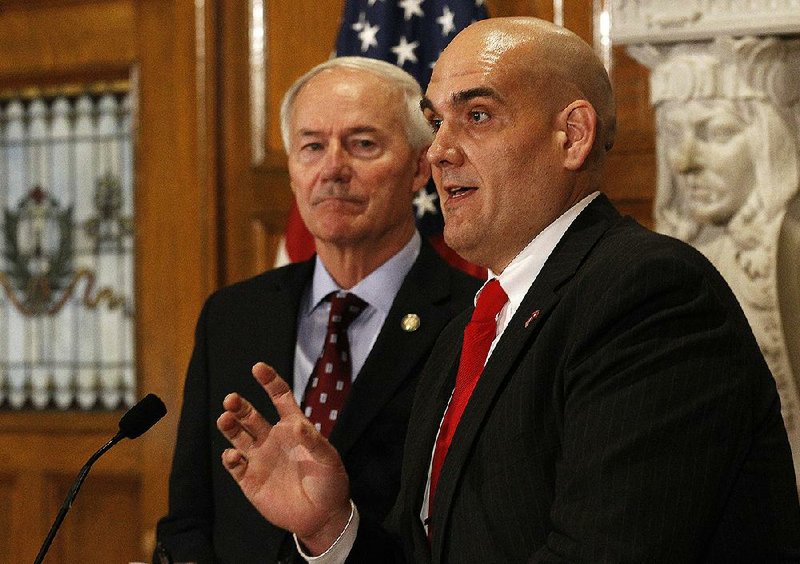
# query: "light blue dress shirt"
[378,289]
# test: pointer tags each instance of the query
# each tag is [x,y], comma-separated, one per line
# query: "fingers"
[242,424]
[277,389]
[235,463]
[249,418]
[283,400]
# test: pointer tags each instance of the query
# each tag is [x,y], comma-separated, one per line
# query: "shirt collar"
[380,286]
[520,273]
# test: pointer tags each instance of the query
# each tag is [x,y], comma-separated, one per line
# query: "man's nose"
[336,166]
[445,149]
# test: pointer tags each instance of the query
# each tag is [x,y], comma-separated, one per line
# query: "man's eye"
[312,147]
[364,147]
[478,116]
[435,124]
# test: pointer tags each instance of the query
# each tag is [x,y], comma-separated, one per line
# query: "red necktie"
[478,336]
[329,383]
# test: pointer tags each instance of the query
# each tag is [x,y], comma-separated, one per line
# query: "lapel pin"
[533,316]
[410,322]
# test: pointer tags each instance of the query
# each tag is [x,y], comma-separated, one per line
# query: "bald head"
[555,63]
[523,115]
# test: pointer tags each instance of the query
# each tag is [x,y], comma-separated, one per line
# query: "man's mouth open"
[457,192]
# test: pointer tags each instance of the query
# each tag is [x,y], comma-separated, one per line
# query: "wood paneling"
[110,518]
[54,42]
[168,46]
[631,169]
[6,515]
[176,206]
[506,8]
[42,453]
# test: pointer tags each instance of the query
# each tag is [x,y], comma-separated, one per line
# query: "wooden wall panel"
[109,522]
[43,453]
[51,42]
[505,8]
[631,170]
[6,515]
[170,45]
[177,217]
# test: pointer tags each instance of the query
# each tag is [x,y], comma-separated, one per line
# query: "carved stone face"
[708,146]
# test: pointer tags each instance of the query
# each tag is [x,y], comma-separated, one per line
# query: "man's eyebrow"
[361,129]
[307,132]
[478,92]
[462,97]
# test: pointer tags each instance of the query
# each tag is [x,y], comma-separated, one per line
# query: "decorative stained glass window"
[66,251]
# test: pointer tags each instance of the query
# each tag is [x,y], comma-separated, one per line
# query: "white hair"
[418,132]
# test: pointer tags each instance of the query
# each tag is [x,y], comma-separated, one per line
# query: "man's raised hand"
[288,471]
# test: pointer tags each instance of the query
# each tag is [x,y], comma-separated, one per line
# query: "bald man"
[624,412]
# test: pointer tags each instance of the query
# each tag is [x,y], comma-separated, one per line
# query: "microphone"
[136,421]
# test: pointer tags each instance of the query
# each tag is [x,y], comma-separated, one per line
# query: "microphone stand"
[73,492]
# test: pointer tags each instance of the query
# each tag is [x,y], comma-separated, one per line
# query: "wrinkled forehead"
[345,83]
[343,94]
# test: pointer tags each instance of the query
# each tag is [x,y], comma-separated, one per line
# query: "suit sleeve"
[669,412]
[186,530]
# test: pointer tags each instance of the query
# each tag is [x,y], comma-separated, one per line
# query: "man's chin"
[465,242]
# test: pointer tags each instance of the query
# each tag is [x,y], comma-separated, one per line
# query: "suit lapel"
[429,404]
[397,352]
[541,298]
[276,308]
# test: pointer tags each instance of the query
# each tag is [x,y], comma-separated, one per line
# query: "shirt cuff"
[337,553]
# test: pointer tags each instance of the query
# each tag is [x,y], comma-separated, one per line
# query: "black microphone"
[136,421]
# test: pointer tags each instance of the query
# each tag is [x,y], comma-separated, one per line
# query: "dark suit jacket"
[626,415]
[209,518]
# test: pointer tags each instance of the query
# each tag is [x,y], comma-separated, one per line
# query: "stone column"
[725,83]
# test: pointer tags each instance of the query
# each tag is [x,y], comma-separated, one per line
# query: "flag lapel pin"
[532,318]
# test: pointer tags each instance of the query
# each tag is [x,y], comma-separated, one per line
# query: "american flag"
[410,34]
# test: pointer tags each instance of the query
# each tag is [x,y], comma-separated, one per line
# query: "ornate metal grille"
[66,252]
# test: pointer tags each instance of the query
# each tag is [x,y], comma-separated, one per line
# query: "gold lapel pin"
[410,322]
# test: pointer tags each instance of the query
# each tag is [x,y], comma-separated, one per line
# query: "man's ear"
[423,171]
[579,124]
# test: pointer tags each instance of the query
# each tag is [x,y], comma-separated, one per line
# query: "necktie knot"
[490,301]
[345,307]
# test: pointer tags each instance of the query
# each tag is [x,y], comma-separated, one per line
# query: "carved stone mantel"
[660,21]
[725,84]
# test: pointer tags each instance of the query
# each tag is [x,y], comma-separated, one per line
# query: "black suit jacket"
[626,415]
[209,518]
